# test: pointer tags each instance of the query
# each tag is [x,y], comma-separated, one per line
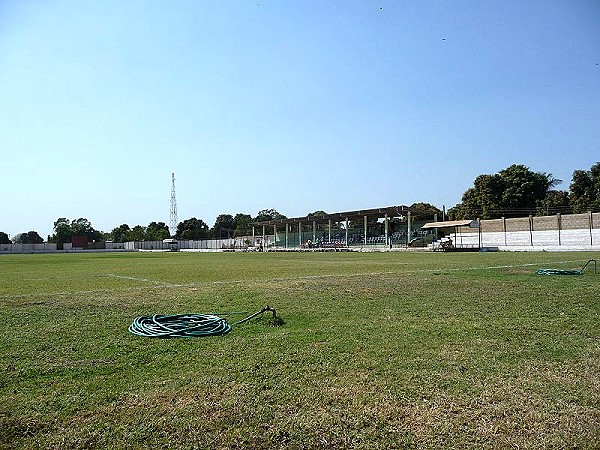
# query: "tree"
[31,237]
[4,239]
[137,233]
[268,214]
[554,202]
[192,229]
[62,231]
[83,227]
[584,191]
[512,192]
[424,211]
[522,188]
[120,233]
[157,231]
[224,226]
[241,224]
[318,216]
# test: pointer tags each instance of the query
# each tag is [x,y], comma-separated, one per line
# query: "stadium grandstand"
[391,226]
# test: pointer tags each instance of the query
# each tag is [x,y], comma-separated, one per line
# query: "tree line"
[225,226]
[516,191]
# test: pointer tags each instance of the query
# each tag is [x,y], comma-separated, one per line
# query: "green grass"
[378,350]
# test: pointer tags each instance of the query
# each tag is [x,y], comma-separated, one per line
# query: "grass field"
[378,350]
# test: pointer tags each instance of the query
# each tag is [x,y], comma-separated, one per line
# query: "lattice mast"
[173,218]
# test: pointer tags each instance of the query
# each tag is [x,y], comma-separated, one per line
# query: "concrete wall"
[27,248]
[566,232]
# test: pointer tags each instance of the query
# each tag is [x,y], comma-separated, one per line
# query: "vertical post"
[386,227]
[435,230]
[558,226]
[329,230]
[407,228]
[314,231]
[346,232]
[365,229]
[591,218]
[504,228]
[274,235]
[286,234]
[479,231]
[300,234]
[253,237]
[264,244]
[531,229]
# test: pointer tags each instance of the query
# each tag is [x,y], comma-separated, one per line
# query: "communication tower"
[173,218]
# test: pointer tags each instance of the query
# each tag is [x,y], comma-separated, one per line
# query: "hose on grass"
[566,271]
[559,272]
[186,325]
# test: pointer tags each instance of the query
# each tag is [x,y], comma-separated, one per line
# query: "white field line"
[145,280]
[159,284]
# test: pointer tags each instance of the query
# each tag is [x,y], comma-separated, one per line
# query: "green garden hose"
[566,271]
[559,272]
[186,325]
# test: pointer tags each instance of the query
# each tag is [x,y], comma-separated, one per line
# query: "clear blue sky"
[297,106]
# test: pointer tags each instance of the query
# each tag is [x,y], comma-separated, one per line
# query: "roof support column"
[274,235]
[387,229]
[264,244]
[365,229]
[314,231]
[286,235]
[408,233]
[329,230]
[300,234]
[346,232]
[253,237]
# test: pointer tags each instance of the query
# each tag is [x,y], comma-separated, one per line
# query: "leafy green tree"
[224,226]
[4,239]
[62,231]
[192,229]
[83,227]
[31,237]
[157,231]
[268,214]
[317,214]
[554,202]
[424,211]
[512,192]
[241,224]
[522,188]
[137,233]
[321,224]
[584,191]
[120,233]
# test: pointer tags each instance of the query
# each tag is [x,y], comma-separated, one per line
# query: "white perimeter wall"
[551,240]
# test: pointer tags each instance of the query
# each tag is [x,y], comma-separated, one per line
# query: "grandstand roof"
[450,224]
[391,211]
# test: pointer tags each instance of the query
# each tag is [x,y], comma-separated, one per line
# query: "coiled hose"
[186,325]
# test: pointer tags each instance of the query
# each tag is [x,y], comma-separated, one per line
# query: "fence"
[559,232]
[27,248]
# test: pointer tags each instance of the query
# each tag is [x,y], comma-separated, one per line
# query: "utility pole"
[173,218]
